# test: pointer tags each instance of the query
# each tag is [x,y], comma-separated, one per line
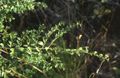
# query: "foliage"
[42,52]
[8,7]
[36,53]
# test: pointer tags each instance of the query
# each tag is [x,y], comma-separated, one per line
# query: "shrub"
[38,53]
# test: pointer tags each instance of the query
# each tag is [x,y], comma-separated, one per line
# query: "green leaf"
[12,52]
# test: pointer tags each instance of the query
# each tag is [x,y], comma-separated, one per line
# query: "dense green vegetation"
[59,39]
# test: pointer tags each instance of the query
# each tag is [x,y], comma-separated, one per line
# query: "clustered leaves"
[37,53]
[7,7]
